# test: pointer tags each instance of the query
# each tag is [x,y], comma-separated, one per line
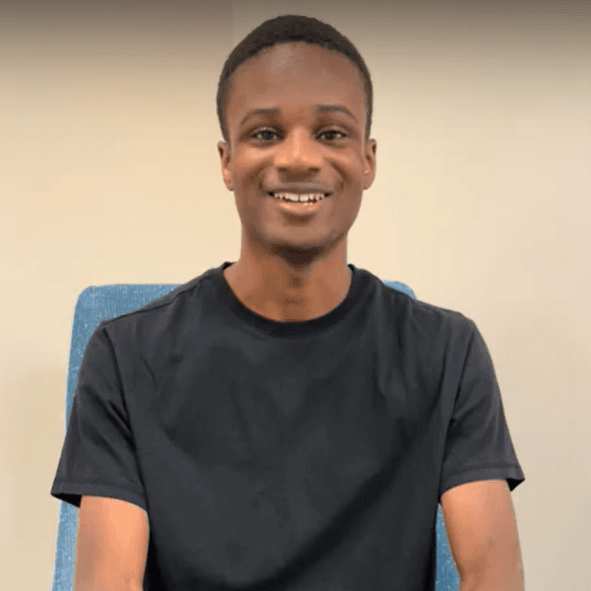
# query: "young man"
[289,421]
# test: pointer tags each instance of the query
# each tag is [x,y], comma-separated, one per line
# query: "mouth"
[299,209]
[289,197]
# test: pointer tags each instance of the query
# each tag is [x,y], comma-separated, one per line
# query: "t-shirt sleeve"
[98,456]
[478,444]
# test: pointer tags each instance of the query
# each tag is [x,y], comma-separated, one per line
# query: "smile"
[286,202]
[297,198]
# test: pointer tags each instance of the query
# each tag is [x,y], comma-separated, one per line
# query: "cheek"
[249,204]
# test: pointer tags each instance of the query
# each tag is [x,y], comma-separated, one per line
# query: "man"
[288,421]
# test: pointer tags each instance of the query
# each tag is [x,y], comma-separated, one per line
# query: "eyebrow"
[319,109]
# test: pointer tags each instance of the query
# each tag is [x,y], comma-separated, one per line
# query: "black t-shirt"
[302,456]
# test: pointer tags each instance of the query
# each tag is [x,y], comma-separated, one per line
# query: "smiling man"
[288,421]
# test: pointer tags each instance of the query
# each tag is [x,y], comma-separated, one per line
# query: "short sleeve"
[98,456]
[478,443]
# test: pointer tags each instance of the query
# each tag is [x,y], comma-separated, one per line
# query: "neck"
[276,291]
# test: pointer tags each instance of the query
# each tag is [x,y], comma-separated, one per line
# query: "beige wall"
[482,203]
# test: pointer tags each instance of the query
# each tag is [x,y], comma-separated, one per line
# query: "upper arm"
[112,544]
[482,530]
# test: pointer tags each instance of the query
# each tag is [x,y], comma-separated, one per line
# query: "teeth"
[304,198]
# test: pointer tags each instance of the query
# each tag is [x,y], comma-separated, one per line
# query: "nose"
[298,152]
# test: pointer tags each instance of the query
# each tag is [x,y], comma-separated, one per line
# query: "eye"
[271,131]
[333,131]
[262,131]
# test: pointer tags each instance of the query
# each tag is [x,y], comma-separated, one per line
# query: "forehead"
[296,75]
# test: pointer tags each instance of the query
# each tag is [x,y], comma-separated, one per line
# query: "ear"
[369,170]
[224,150]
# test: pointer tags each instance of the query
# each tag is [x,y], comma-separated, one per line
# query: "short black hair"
[284,29]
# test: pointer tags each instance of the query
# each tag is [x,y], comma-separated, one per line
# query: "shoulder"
[425,323]
[155,311]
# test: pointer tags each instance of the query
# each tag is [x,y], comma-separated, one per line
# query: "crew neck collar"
[300,328]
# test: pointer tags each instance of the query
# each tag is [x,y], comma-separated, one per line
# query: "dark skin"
[293,266]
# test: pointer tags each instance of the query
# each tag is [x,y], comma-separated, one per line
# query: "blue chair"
[96,304]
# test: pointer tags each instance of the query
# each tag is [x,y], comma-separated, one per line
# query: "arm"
[482,532]
[112,545]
